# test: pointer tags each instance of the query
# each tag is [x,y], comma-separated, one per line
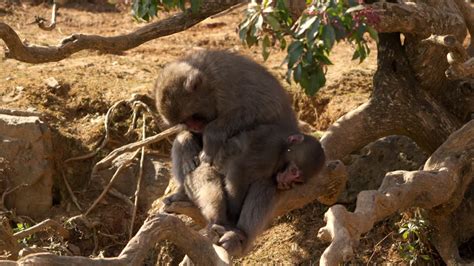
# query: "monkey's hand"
[186,152]
[213,141]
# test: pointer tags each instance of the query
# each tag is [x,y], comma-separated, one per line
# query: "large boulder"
[27,164]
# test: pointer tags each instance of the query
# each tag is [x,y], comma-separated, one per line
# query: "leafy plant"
[414,246]
[21,227]
[308,39]
[311,36]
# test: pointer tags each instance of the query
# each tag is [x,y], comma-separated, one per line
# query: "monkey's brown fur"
[240,116]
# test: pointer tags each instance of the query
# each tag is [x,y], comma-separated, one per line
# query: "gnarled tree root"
[439,188]
[156,228]
[326,187]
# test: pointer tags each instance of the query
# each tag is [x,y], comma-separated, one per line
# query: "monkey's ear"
[295,139]
[193,81]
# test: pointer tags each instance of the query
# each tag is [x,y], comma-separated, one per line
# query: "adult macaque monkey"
[241,118]
[217,95]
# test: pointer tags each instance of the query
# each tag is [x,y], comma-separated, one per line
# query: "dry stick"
[140,176]
[106,138]
[119,195]
[58,228]
[136,145]
[133,124]
[378,243]
[40,21]
[69,189]
[117,172]
[155,118]
[11,190]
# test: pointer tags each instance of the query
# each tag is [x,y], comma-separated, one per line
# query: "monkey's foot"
[177,196]
[232,241]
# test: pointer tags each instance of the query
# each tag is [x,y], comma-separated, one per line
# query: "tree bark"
[439,187]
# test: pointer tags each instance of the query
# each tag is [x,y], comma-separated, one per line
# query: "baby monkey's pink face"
[304,157]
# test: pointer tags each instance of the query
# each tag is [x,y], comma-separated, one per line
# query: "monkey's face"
[304,156]
[184,97]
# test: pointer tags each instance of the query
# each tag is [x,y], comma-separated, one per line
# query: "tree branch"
[113,44]
[418,18]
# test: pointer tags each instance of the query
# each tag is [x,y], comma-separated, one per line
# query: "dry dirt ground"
[92,82]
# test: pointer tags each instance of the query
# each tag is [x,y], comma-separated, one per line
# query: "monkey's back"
[239,82]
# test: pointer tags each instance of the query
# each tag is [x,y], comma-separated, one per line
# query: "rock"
[368,167]
[52,83]
[25,143]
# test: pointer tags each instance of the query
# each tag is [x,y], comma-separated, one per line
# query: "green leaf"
[317,81]
[356,54]
[323,59]
[282,43]
[243,33]
[425,257]
[306,25]
[354,8]
[329,36]
[273,22]
[294,52]
[297,72]
[313,31]
[405,235]
[265,44]
[259,23]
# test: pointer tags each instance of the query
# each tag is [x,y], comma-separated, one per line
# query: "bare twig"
[106,137]
[69,189]
[48,223]
[106,189]
[119,195]
[41,21]
[139,180]
[376,245]
[134,146]
[9,191]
